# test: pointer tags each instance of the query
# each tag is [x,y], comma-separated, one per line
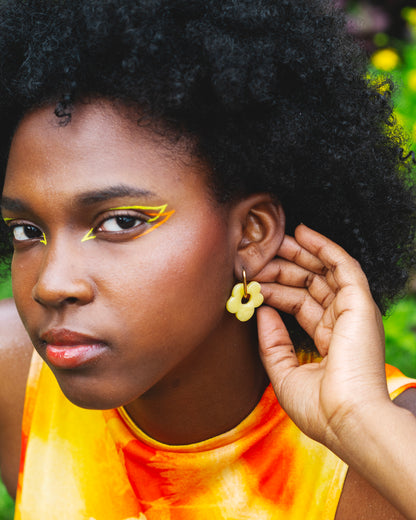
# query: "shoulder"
[407,400]
[359,500]
[15,355]
[15,351]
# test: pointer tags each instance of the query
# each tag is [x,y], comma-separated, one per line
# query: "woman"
[154,154]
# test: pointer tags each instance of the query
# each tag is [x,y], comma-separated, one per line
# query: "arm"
[359,500]
[342,401]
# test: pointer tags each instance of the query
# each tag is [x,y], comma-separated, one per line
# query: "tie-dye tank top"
[82,464]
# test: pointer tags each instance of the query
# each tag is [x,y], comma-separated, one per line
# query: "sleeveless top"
[80,464]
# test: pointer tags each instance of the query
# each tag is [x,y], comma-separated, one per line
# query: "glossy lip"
[68,349]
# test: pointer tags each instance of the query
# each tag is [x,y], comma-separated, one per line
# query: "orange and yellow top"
[97,465]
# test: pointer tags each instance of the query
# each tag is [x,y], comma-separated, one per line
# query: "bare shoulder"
[407,399]
[15,352]
[15,355]
[359,500]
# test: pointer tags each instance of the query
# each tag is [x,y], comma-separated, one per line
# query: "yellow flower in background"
[385,59]
[413,136]
[409,14]
[411,79]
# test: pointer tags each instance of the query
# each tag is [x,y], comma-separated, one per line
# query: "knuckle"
[298,306]
[297,253]
[309,279]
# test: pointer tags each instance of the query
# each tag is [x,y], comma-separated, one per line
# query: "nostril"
[53,290]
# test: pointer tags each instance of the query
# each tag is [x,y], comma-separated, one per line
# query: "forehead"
[100,140]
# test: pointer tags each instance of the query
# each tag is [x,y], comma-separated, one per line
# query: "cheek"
[23,280]
[181,280]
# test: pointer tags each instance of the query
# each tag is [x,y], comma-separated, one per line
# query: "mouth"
[68,349]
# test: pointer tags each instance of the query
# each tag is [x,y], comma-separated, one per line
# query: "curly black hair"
[274,92]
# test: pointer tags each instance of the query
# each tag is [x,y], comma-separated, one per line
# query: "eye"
[120,223]
[26,232]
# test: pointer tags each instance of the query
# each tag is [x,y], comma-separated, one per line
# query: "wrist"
[378,443]
[362,428]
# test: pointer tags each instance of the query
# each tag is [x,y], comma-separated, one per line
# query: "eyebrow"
[88,198]
[112,192]
[12,204]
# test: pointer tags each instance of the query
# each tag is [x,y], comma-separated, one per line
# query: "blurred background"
[387,31]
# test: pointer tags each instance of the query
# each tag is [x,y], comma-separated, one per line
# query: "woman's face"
[122,261]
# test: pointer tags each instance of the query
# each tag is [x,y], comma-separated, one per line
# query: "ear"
[259,224]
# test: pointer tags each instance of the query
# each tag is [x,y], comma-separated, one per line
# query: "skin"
[179,383]
[342,401]
[182,268]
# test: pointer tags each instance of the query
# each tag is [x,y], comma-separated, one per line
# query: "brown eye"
[120,223]
[26,232]
[126,222]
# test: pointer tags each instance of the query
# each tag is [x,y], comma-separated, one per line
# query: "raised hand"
[342,400]
[326,290]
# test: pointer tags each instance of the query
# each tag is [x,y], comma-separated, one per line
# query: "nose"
[62,278]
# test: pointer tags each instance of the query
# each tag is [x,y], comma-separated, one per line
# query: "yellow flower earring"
[244,299]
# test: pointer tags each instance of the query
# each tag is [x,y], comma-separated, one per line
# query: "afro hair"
[274,93]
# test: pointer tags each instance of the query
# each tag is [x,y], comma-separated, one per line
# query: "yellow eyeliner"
[42,241]
[153,211]
[159,210]
[88,236]
[167,215]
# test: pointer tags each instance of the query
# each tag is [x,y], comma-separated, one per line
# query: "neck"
[211,392]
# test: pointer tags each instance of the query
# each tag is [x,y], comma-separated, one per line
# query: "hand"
[326,290]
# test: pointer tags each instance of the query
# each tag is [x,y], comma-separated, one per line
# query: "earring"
[244,299]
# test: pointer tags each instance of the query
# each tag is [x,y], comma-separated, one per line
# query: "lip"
[69,349]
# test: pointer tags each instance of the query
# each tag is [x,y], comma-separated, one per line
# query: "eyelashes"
[155,215]
[120,223]
[25,232]
[153,211]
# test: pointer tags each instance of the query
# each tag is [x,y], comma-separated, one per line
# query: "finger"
[295,301]
[345,269]
[323,334]
[291,250]
[330,280]
[276,348]
[321,291]
[286,273]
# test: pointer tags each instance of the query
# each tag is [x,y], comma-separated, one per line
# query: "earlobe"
[262,222]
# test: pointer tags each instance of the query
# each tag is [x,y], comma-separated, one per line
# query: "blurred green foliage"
[396,58]
[400,328]
[6,290]
[6,504]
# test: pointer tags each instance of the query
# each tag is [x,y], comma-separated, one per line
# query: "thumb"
[276,348]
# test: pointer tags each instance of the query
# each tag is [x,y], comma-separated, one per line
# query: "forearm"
[379,443]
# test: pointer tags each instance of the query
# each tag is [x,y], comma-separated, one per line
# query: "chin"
[91,394]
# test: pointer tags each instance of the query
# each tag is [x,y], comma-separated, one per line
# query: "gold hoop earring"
[244,299]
